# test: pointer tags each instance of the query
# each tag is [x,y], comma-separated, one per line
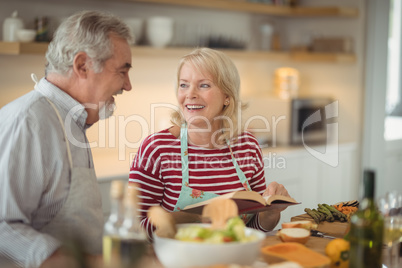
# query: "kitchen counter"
[297,149]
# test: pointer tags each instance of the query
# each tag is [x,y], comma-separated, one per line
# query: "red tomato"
[227,239]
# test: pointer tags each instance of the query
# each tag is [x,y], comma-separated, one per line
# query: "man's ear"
[80,64]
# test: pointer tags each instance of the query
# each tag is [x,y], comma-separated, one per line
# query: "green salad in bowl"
[235,231]
[197,245]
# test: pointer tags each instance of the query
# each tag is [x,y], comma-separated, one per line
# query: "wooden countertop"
[335,228]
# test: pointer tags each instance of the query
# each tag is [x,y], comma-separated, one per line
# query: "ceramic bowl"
[174,253]
[159,31]
[26,35]
[136,27]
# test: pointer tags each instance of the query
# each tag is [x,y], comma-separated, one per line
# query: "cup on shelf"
[159,31]
[266,31]
[136,27]
[26,35]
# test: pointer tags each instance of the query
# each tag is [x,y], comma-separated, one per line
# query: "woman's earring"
[226,102]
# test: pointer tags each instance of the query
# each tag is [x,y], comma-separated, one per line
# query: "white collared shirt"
[35,171]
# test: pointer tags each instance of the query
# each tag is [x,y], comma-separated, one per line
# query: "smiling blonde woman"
[205,153]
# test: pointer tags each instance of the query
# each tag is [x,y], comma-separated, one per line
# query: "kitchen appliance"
[292,121]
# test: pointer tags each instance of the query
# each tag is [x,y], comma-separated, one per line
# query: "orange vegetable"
[295,252]
[345,209]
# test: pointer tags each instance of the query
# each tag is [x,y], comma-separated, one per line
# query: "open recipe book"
[248,202]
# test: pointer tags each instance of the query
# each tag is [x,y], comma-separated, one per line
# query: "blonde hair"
[225,76]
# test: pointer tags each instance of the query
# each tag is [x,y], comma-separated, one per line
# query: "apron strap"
[70,159]
[34,78]
[184,155]
[239,172]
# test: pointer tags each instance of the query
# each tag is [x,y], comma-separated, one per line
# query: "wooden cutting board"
[335,228]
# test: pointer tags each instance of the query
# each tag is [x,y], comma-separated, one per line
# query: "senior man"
[48,187]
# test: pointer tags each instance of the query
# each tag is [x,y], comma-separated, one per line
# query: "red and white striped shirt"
[157,170]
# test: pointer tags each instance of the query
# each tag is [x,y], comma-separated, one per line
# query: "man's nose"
[127,84]
[128,87]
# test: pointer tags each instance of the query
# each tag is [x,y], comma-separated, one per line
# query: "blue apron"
[188,195]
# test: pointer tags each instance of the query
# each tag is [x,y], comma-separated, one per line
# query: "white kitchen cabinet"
[309,180]
[393,168]
[335,182]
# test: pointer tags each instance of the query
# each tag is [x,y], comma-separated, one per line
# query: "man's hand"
[60,260]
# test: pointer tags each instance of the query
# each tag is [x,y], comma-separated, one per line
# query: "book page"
[278,198]
[249,195]
[247,200]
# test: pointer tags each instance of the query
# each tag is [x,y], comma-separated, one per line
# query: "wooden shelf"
[16,48]
[244,6]
[323,57]
[300,56]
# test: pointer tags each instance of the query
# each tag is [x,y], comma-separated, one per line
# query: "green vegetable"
[234,232]
[312,214]
[193,233]
[215,238]
[339,215]
[325,212]
[319,214]
[328,213]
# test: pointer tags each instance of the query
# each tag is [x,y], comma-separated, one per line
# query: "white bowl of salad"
[197,245]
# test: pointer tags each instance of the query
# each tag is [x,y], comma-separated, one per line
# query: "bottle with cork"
[133,241]
[366,229]
[124,240]
[112,225]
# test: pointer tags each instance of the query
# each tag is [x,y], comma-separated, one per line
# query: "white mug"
[159,31]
